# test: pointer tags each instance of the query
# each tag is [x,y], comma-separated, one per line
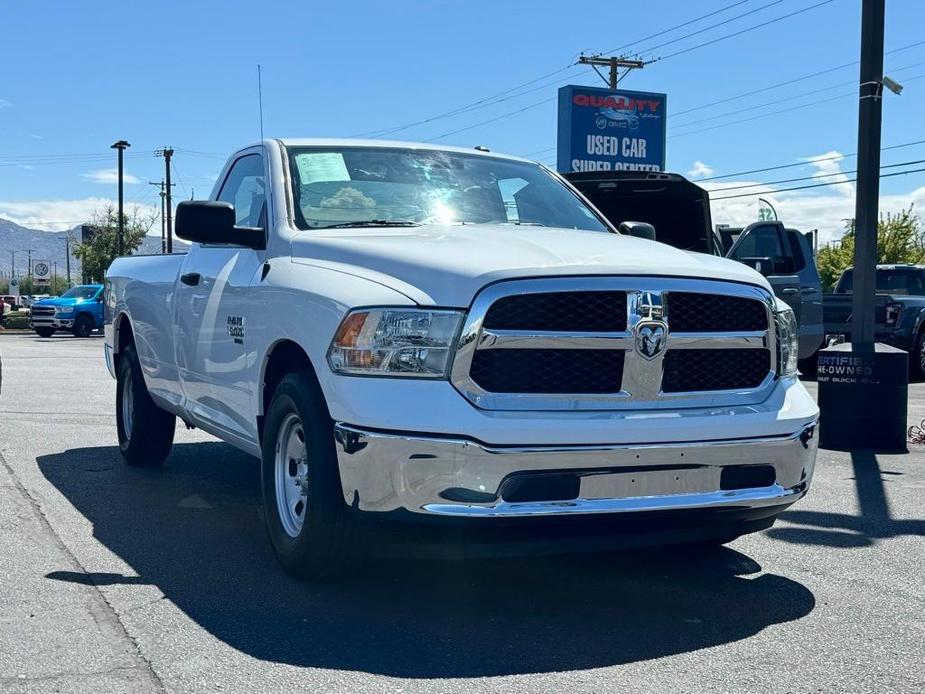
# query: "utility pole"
[67,256]
[121,146]
[167,153]
[161,184]
[29,269]
[614,63]
[868,176]
[867,408]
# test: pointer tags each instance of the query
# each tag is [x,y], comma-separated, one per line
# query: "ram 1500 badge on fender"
[406,333]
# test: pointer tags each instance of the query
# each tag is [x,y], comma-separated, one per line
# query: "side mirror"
[207,221]
[641,230]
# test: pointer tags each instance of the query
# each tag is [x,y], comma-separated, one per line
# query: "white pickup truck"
[403,332]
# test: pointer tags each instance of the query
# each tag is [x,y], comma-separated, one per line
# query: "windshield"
[908,281]
[343,186]
[83,292]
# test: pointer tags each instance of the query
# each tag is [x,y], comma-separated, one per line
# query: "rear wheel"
[309,525]
[44,332]
[83,326]
[145,430]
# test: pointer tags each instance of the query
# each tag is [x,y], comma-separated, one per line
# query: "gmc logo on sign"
[622,103]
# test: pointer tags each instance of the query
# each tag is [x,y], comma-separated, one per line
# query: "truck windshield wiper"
[374,223]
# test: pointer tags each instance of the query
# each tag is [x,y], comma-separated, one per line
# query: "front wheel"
[309,525]
[145,430]
[83,326]
[44,332]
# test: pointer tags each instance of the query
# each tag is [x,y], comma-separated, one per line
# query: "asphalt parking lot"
[115,579]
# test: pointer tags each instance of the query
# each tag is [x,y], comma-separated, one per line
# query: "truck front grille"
[548,370]
[616,343]
[578,311]
[713,369]
[697,313]
[42,311]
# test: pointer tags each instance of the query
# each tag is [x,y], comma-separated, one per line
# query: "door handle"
[789,290]
[190,278]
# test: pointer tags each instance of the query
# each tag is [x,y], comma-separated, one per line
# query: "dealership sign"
[610,130]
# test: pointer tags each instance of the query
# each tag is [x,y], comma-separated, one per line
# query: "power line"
[757,26]
[779,111]
[475,105]
[492,120]
[741,31]
[712,26]
[813,177]
[507,94]
[815,185]
[804,162]
[797,96]
[675,114]
[676,26]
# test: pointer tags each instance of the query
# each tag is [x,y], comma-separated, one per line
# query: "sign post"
[41,273]
[610,130]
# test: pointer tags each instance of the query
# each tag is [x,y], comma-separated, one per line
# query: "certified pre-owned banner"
[610,130]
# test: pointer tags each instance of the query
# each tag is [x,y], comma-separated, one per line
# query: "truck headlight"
[395,342]
[788,340]
[66,311]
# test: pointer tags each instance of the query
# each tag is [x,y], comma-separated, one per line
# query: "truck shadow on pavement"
[873,522]
[194,529]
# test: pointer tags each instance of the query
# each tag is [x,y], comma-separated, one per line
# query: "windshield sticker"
[321,166]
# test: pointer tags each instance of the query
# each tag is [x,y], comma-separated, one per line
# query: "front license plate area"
[627,485]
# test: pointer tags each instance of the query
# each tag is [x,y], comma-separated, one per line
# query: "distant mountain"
[50,246]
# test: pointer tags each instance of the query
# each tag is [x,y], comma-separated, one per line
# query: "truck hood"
[446,265]
[58,301]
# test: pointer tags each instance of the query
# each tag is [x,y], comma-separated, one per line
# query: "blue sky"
[79,76]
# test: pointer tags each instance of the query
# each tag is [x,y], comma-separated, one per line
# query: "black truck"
[680,212]
[899,313]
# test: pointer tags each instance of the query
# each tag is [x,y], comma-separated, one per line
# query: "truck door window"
[764,242]
[796,250]
[244,188]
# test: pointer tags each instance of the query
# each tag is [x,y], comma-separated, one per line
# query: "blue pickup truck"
[79,310]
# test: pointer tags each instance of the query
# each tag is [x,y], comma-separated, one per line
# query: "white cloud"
[699,169]
[110,176]
[806,209]
[58,215]
[5,104]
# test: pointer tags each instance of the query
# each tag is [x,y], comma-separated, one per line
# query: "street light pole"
[121,146]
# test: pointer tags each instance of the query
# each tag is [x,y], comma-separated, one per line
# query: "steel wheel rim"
[291,475]
[128,404]
[922,355]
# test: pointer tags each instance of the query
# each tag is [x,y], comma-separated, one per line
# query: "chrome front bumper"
[382,472]
[50,322]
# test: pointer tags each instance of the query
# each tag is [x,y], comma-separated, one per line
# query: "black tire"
[83,326]
[44,332]
[917,357]
[319,546]
[145,430]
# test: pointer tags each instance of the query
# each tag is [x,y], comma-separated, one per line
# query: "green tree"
[900,239]
[97,254]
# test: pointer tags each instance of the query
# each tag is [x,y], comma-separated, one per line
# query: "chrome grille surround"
[642,375]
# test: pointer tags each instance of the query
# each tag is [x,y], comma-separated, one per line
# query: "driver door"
[215,300]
